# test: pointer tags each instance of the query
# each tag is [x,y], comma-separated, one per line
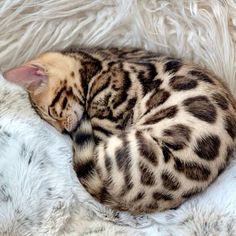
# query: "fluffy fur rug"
[39,193]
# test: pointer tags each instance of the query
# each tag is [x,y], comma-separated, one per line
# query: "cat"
[149,131]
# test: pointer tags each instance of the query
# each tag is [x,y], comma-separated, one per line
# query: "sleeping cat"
[149,131]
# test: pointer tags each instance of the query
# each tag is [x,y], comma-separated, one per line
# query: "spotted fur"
[149,131]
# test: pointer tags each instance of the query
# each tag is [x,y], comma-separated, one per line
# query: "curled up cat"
[149,131]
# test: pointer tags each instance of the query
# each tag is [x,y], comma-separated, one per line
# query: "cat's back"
[160,90]
[152,82]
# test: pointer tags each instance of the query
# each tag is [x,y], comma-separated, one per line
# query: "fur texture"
[163,129]
[203,31]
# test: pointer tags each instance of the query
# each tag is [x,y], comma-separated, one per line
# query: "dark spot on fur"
[191,192]
[152,206]
[99,170]
[108,181]
[131,103]
[64,102]
[201,108]
[146,149]
[150,85]
[180,83]
[102,84]
[166,153]
[169,113]
[102,130]
[169,181]
[192,170]
[128,184]
[220,100]
[158,97]
[201,76]
[72,74]
[92,66]
[161,196]
[82,138]
[126,84]
[97,140]
[57,97]
[84,81]
[207,147]
[177,136]
[146,77]
[122,155]
[133,69]
[128,181]
[139,196]
[175,146]
[108,164]
[178,131]
[123,161]
[69,92]
[104,196]
[147,176]
[85,170]
[230,126]
[172,66]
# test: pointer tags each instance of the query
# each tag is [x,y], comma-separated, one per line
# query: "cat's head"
[50,80]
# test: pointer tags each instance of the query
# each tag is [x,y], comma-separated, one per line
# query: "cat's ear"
[28,76]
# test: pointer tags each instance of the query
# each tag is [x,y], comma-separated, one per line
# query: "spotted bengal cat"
[149,131]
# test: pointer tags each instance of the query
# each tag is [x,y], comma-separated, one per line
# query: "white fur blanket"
[39,193]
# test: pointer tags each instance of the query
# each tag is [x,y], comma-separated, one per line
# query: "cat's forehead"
[52,57]
[56,62]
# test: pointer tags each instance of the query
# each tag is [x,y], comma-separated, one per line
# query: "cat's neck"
[88,68]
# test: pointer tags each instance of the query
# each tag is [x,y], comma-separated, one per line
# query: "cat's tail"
[83,158]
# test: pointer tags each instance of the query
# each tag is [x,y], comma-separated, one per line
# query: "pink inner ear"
[26,75]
